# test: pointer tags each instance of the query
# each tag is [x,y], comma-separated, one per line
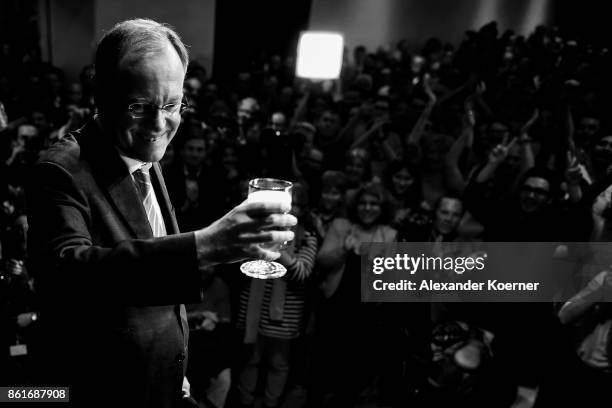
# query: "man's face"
[355,170]
[603,150]
[194,152]
[368,210]
[192,87]
[587,128]
[495,135]
[402,181]
[535,194]
[331,198]
[448,215]
[328,125]
[155,79]
[278,121]
[25,133]
[229,158]
[246,109]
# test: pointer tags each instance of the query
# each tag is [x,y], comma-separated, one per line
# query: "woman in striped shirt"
[272,312]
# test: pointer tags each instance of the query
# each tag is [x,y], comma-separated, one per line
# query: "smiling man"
[111,267]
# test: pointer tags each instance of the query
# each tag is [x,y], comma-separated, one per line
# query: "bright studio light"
[319,55]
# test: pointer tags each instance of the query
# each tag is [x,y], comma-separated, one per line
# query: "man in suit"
[112,269]
[188,179]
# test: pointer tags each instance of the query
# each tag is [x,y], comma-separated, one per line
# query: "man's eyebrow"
[133,99]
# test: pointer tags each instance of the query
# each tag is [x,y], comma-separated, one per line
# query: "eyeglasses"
[536,191]
[140,110]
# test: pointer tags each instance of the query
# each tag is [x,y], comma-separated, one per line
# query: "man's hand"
[496,157]
[500,152]
[25,319]
[351,243]
[239,234]
[573,174]
[401,215]
[210,320]
[431,96]
[470,115]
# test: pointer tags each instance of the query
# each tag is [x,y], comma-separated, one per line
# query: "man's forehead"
[141,61]
[150,75]
[537,182]
[451,203]
[329,115]
[27,130]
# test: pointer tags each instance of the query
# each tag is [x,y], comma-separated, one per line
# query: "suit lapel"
[113,176]
[126,199]
[163,199]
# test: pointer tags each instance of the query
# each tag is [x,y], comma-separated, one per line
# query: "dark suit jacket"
[112,295]
[207,210]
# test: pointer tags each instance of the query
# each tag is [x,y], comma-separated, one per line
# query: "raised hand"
[427,88]
[500,152]
[480,88]
[351,243]
[468,107]
[573,174]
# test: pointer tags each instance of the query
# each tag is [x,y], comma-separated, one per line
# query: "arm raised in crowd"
[454,177]
[527,156]
[419,127]
[301,110]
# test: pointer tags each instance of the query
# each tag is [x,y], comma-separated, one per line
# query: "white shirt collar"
[133,164]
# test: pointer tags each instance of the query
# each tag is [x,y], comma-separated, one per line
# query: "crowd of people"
[499,138]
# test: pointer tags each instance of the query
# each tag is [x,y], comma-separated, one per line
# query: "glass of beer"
[267,190]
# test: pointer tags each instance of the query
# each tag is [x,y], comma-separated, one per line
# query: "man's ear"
[98,94]
[101,95]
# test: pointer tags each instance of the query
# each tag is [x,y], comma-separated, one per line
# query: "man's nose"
[158,119]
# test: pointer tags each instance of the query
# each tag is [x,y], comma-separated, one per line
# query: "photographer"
[18,307]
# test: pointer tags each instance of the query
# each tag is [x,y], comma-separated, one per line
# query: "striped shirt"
[291,324]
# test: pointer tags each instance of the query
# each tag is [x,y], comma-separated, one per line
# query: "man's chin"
[151,156]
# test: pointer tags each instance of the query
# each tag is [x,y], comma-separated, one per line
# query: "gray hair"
[133,38]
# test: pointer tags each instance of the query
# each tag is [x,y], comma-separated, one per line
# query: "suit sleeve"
[157,271]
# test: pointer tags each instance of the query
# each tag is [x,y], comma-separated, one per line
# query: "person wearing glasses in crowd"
[112,269]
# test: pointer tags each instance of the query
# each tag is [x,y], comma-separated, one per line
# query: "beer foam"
[270,196]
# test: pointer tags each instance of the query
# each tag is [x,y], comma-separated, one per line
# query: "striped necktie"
[143,182]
